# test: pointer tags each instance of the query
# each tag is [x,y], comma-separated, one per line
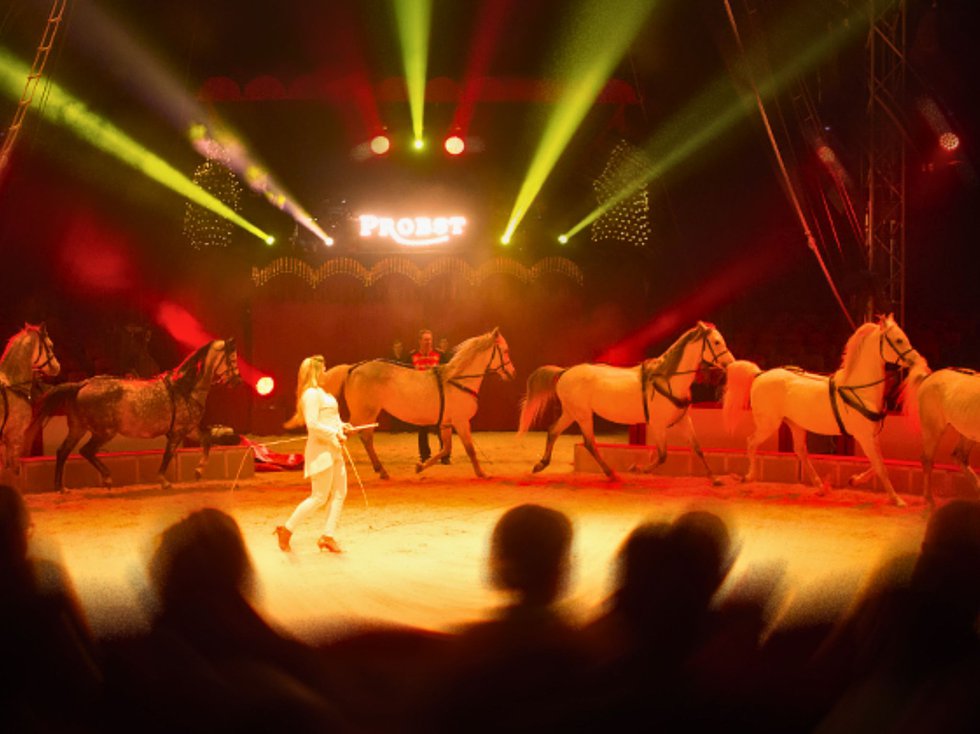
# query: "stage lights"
[563,239]
[418,144]
[454,145]
[265,385]
[949,141]
[380,144]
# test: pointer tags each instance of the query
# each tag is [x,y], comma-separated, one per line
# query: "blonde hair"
[310,370]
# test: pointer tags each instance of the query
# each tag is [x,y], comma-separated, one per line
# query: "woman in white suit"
[323,457]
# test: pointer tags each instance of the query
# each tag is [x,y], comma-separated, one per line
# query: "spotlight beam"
[686,134]
[596,41]
[61,108]
[413,18]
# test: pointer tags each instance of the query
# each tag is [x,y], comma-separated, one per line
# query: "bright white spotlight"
[563,238]
[270,240]
[265,385]
[418,144]
[380,144]
[454,145]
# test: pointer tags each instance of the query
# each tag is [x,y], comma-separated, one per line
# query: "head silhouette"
[200,557]
[529,553]
[15,523]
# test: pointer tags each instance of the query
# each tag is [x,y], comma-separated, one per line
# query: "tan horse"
[656,392]
[948,397]
[29,351]
[849,402]
[445,396]
[170,404]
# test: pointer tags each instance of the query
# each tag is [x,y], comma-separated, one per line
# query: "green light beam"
[597,39]
[687,134]
[61,108]
[413,18]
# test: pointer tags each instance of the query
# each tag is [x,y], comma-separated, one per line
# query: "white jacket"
[324,430]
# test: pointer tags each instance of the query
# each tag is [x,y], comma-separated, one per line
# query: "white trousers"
[329,486]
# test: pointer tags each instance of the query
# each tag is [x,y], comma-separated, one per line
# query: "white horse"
[949,397]
[29,352]
[848,402]
[656,392]
[445,396]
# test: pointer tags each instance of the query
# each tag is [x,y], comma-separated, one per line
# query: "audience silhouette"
[683,643]
[50,677]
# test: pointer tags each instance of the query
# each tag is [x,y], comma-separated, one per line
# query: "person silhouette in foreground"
[210,662]
[523,670]
[50,674]
[915,647]
[658,618]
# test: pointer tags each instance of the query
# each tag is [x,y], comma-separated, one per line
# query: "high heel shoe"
[325,542]
[283,534]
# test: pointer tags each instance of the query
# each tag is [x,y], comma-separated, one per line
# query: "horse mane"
[464,353]
[184,376]
[852,350]
[666,363]
[13,340]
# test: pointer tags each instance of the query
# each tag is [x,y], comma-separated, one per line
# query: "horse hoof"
[419,467]
[538,467]
[715,482]
[898,502]
[383,474]
[198,473]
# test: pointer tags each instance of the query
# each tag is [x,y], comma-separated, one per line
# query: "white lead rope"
[353,429]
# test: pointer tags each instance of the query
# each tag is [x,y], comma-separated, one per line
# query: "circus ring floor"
[415,545]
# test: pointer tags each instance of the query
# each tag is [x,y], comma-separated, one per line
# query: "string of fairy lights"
[204,228]
[629,220]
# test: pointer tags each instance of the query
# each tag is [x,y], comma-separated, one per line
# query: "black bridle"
[901,356]
[45,350]
[231,374]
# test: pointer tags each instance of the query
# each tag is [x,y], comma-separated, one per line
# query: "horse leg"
[205,438]
[173,441]
[807,471]
[445,439]
[588,436]
[696,448]
[556,429]
[932,427]
[466,438]
[765,426]
[90,452]
[367,441]
[872,449]
[961,455]
[75,433]
[658,436]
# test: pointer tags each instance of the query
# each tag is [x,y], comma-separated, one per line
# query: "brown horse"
[445,396]
[29,351]
[169,404]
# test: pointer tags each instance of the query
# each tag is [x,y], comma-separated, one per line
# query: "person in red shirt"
[425,358]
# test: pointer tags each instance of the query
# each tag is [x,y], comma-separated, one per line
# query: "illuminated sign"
[413,231]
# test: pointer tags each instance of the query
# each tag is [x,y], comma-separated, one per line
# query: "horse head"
[714,351]
[223,357]
[501,355]
[43,359]
[894,345]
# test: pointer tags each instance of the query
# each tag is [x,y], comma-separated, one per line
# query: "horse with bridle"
[446,396]
[935,400]
[656,392]
[170,404]
[849,402]
[29,352]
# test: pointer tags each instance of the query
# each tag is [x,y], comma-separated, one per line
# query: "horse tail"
[909,394]
[54,400]
[540,393]
[740,375]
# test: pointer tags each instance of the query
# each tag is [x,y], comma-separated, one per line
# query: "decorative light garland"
[419,275]
[204,228]
[629,220]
